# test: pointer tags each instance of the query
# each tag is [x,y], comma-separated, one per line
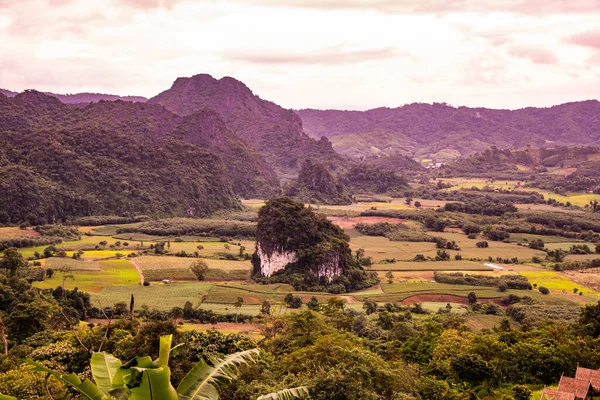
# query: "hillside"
[276,133]
[315,185]
[440,131]
[59,161]
[83,98]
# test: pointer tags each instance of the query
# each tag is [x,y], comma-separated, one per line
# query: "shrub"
[199,268]
[483,244]
[544,290]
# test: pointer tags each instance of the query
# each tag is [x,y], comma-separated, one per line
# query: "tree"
[313,304]
[389,276]
[470,229]
[238,304]
[369,306]
[199,268]
[408,201]
[472,297]
[521,392]
[544,290]
[265,308]
[418,204]
[589,319]
[12,261]
[292,301]
[143,378]
[442,255]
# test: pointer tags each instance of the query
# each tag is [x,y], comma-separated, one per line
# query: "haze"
[317,54]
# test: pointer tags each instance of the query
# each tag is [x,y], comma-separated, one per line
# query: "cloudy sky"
[347,54]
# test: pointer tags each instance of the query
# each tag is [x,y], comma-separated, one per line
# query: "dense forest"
[427,129]
[59,162]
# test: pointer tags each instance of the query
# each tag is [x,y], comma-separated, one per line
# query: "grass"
[159,296]
[557,283]
[14,231]
[578,199]
[379,248]
[567,245]
[528,237]
[168,262]
[477,322]
[469,249]
[434,306]
[100,254]
[431,266]
[74,265]
[111,273]
[581,257]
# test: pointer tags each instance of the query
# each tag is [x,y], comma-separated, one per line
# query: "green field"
[558,283]
[431,266]
[167,262]
[578,199]
[74,265]
[111,273]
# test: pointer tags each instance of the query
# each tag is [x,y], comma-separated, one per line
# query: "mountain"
[315,185]
[440,131]
[84,98]
[275,132]
[116,157]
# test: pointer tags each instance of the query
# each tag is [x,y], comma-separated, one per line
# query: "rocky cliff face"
[273,261]
[278,259]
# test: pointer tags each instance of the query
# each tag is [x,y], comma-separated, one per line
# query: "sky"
[338,54]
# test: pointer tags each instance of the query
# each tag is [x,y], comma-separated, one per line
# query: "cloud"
[330,56]
[526,7]
[537,54]
[148,4]
[586,39]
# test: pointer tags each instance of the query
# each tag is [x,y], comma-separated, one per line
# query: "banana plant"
[145,379]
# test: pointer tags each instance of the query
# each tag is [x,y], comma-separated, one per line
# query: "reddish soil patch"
[11,232]
[350,222]
[444,298]
[251,299]
[428,275]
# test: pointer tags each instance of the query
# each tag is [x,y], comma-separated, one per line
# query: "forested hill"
[84,98]
[428,130]
[59,161]
[270,129]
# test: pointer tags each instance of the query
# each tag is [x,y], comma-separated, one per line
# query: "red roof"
[549,394]
[580,387]
[591,375]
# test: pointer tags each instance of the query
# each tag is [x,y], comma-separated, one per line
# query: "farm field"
[110,273]
[431,266]
[469,249]
[168,262]
[74,265]
[14,231]
[558,283]
[578,199]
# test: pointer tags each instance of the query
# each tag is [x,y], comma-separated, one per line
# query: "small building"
[585,385]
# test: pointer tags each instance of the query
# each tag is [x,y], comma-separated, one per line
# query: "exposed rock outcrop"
[299,247]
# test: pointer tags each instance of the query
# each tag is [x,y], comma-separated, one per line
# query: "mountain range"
[201,144]
[440,131]
[83,98]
